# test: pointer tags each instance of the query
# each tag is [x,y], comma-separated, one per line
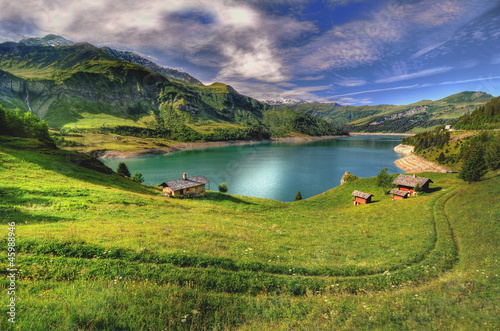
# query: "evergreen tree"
[123,170]
[441,158]
[474,166]
[223,188]
[137,177]
[492,154]
[298,196]
[384,181]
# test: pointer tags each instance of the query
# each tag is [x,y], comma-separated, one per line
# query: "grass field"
[98,251]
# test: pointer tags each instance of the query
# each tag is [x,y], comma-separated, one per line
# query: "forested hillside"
[391,118]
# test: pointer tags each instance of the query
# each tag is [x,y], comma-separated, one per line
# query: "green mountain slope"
[80,85]
[391,118]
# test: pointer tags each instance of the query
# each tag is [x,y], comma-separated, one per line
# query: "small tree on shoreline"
[384,181]
[123,170]
[298,196]
[223,187]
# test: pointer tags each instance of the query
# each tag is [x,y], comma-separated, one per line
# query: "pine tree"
[492,154]
[441,158]
[123,170]
[384,180]
[474,166]
[298,196]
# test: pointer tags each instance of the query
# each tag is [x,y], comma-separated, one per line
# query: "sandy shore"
[109,154]
[380,134]
[412,163]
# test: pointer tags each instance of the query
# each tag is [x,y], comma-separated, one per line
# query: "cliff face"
[135,92]
[64,83]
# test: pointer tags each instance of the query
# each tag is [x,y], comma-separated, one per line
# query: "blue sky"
[359,52]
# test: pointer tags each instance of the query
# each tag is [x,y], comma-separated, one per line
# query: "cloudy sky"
[347,51]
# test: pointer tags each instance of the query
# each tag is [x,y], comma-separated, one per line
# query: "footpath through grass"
[97,251]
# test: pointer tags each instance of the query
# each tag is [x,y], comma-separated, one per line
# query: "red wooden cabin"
[361,198]
[408,183]
[399,194]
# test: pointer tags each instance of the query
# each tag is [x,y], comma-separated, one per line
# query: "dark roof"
[411,181]
[180,184]
[395,191]
[363,195]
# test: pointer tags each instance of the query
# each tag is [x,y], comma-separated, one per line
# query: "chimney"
[184,176]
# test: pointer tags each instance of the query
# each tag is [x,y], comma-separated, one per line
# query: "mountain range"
[397,118]
[78,85]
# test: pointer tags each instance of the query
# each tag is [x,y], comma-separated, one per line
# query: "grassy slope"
[103,252]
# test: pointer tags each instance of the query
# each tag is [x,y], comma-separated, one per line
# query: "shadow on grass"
[434,189]
[216,196]
[71,164]
[12,214]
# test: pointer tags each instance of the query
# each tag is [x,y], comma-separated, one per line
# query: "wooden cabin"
[186,187]
[399,194]
[361,198]
[408,183]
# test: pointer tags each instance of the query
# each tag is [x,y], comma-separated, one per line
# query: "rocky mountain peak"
[49,40]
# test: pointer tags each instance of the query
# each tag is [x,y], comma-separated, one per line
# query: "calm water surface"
[274,170]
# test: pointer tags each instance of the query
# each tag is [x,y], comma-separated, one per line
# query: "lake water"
[273,170]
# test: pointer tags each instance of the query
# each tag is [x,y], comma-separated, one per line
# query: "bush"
[223,188]
[137,177]
[298,196]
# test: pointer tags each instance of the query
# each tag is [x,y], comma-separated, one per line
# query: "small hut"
[398,194]
[185,187]
[361,198]
[408,183]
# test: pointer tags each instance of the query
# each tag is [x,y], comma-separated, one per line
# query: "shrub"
[137,177]
[223,188]
[298,196]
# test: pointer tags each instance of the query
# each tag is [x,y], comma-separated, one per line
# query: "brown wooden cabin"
[408,183]
[399,194]
[186,187]
[361,198]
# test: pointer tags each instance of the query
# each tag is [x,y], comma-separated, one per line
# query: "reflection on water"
[274,170]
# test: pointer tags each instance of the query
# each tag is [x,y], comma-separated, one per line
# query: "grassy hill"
[98,251]
[390,118]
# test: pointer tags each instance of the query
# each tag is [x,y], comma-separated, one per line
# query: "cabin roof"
[360,194]
[181,184]
[395,191]
[411,181]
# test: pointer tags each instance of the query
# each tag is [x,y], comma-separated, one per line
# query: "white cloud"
[266,91]
[423,73]
[480,79]
[381,90]
[226,34]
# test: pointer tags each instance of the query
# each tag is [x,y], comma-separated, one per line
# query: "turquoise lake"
[273,170]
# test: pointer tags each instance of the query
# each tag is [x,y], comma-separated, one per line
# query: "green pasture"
[98,251]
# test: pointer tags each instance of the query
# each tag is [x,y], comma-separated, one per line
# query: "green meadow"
[98,251]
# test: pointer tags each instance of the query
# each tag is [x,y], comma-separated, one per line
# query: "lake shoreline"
[111,154]
[412,163]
